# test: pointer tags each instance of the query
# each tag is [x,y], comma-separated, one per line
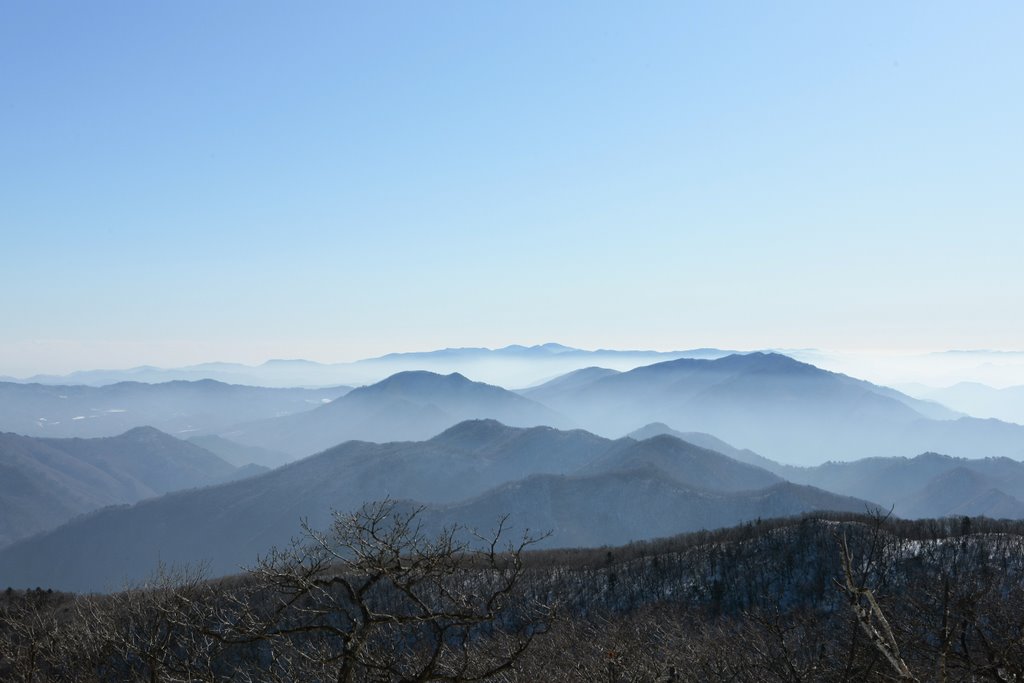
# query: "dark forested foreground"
[823,597]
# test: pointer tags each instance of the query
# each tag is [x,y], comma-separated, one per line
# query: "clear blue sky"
[187,181]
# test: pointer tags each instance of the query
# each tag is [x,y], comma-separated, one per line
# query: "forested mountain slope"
[46,482]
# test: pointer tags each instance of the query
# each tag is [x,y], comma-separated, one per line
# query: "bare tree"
[28,631]
[377,598]
[153,631]
[871,618]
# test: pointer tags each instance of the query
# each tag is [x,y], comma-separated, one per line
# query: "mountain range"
[584,488]
[513,365]
[923,486]
[927,485]
[552,456]
[786,410]
[518,366]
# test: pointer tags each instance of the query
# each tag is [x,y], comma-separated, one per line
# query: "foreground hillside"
[46,482]
[374,598]
[584,489]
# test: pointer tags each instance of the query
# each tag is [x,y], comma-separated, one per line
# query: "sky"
[195,181]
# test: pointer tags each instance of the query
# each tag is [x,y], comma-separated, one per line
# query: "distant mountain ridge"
[784,409]
[980,400]
[177,407]
[509,366]
[927,485]
[571,481]
[780,407]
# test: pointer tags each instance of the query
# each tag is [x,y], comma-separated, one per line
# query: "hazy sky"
[189,181]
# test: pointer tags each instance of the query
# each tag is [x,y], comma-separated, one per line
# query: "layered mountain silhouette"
[513,365]
[174,407]
[571,482]
[710,442]
[685,462]
[928,485]
[471,452]
[46,482]
[404,407]
[786,410]
[963,491]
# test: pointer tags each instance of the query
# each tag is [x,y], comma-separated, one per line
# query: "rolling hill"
[46,482]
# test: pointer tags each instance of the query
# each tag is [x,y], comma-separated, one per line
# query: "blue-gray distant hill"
[710,442]
[517,365]
[786,410]
[927,485]
[179,408]
[623,506]
[587,489]
[46,482]
[408,406]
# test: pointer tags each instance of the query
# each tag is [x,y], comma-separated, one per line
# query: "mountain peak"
[419,380]
[765,361]
[474,431]
[282,362]
[932,456]
[555,347]
[650,430]
[144,433]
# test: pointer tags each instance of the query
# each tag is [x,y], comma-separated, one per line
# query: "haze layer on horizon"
[244,181]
